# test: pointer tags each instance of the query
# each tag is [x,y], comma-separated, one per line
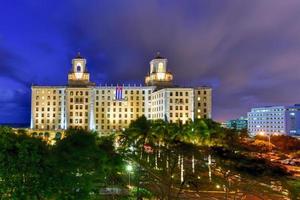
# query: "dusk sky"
[247,51]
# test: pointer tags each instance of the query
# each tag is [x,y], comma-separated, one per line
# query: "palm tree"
[139,133]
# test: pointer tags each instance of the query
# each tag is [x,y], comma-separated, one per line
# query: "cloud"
[9,63]
[247,51]
[14,89]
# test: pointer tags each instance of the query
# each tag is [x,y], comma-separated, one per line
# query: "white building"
[274,120]
[111,108]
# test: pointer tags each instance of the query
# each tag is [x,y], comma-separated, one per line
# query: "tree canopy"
[76,167]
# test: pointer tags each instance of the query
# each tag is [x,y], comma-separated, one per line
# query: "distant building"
[111,108]
[223,124]
[238,124]
[274,120]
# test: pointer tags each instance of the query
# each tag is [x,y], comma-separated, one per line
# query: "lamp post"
[269,138]
[129,169]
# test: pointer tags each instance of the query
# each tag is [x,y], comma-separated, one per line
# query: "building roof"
[158,56]
[79,56]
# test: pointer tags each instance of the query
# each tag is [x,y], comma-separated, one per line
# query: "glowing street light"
[269,138]
[129,169]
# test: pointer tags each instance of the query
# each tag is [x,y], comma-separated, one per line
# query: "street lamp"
[129,169]
[269,138]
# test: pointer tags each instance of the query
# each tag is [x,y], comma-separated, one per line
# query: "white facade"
[274,120]
[173,104]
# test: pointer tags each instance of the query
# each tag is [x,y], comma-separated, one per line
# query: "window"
[78,69]
[160,67]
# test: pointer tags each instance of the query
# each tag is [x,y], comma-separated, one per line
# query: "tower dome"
[79,75]
[159,76]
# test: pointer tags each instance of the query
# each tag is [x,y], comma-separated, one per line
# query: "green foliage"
[24,168]
[112,163]
[201,132]
[294,188]
[142,193]
[76,167]
[76,158]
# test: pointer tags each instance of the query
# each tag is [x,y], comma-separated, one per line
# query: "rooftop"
[158,56]
[78,56]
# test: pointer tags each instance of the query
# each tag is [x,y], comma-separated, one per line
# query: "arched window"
[78,68]
[160,67]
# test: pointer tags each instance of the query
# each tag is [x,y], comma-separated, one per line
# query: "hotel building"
[274,120]
[111,108]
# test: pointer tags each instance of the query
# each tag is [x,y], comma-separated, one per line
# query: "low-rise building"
[238,124]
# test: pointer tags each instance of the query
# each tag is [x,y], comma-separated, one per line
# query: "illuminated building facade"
[111,108]
[238,124]
[158,75]
[274,120]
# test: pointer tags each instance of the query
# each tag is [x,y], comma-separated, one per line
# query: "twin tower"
[105,109]
[158,76]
